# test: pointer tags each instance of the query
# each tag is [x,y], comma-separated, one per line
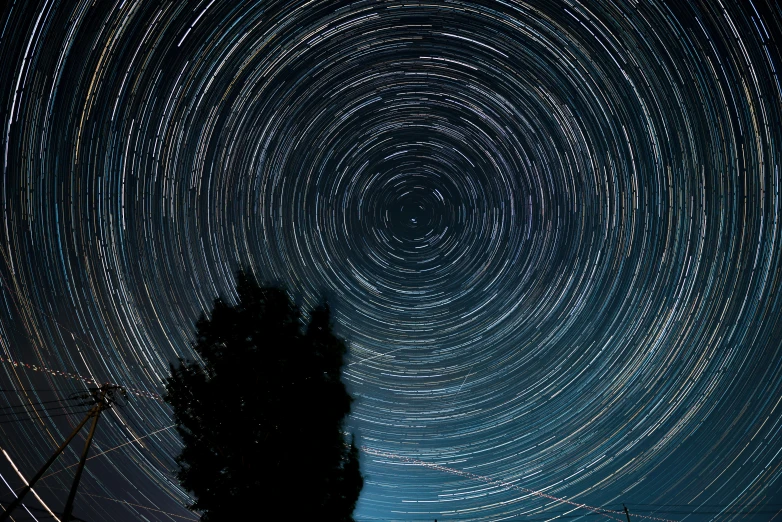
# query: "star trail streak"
[549,229]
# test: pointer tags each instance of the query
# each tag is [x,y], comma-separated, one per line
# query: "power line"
[11,421]
[46,370]
[112,449]
[43,406]
[38,410]
[32,508]
[714,505]
[696,512]
[50,390]
[34,407]
[132,504]
[76,338]
[32,404]
[103,398]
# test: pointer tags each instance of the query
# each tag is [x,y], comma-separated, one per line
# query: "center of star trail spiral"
[550,231]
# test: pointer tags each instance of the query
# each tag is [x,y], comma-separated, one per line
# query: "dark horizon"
[550,232]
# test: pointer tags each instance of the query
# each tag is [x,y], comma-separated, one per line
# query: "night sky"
[550,231]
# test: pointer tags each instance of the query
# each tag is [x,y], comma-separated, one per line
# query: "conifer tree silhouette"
[262,414]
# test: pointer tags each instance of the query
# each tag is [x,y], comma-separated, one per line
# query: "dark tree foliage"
[262,418]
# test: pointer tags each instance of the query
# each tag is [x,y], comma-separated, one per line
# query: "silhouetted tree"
[261,417]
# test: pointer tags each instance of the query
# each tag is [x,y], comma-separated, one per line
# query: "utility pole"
[103,398]
[627,513]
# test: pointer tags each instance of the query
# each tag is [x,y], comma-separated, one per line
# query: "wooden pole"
[101,404]
[104,398]
[18,500]
[66,515]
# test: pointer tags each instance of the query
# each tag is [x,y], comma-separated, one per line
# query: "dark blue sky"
[550,231]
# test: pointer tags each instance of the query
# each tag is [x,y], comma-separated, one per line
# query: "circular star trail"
[549,230]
